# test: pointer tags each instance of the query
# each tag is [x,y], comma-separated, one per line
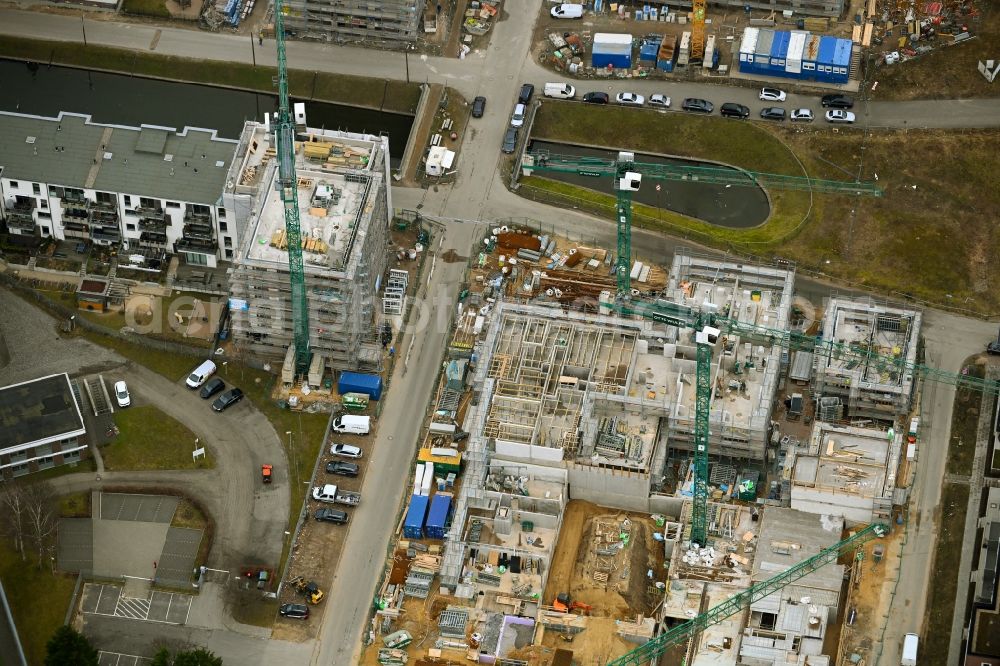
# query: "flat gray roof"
[38,411]
[73,151]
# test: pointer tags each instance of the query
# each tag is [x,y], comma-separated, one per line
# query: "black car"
[509,140]
[478,107]
[837,101]
[596,98]
[297,611]
[342,468]
[331,516]
[697,105]
[734,110]
[227,399]
[772,113]
[527,90]
[211,387]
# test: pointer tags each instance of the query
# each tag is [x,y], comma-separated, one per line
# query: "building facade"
[149,190]
[393,23]
[42,426]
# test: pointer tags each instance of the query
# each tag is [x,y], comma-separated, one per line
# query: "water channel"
[732,207]
[120,99]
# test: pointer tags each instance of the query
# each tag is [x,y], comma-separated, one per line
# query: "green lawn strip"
[76,505]
[149,439]
[965,425]
[394,96]
[941,603]
[38,599]
[155,8]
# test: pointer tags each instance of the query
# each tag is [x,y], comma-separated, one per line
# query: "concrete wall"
[608,487]
[855,509]
[526,452]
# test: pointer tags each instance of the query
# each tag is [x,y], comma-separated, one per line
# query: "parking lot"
[165,607]
[119,659]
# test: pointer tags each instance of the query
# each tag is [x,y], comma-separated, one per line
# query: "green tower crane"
[708,327]
[284,131]
[682,632]
[628,175]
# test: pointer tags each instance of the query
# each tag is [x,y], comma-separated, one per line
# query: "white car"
[772,95]
[839,116]
[802,116]
[630,99]
[345,451]
[121,394]
[517,118]
[659,100]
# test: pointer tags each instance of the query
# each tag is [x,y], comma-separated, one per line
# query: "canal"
[721,205]
[120,99]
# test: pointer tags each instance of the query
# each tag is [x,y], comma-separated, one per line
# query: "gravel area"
[30,346]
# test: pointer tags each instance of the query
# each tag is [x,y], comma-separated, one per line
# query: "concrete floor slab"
[176,564]
[144,508]
[76,545]
[126,548]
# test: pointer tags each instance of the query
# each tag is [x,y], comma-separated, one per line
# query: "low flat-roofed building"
[41,426]
[844,471]
[870,389]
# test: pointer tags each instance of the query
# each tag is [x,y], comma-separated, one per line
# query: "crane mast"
[284,131]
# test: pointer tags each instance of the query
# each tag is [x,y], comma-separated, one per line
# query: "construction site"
[344,203]
[557,513]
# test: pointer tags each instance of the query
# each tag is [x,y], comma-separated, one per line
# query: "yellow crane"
[697,29]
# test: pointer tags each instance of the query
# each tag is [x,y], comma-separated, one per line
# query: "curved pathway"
[249,518]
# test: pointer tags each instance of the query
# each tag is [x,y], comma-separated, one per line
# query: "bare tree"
[40,516]
[14,526]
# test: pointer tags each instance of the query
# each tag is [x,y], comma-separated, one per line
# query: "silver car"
[345,451]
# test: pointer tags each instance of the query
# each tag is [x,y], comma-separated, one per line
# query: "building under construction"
[744,374]
[392,23]
[873,389]
[344,202]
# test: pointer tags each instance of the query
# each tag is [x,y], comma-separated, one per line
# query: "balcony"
[152,239]
[188,244]
[107,206]
[152,224]
[150,213]
[198,231]
[105,236]
[17,219]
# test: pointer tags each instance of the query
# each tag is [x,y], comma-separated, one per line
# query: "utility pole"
[83,27]
[253,51]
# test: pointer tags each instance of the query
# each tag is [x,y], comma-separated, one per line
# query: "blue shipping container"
[437,518]
[413,526]
[648,51]
[356,382]
[779,48]
[619,60]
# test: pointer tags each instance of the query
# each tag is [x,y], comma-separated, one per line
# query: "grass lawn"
[930,236]
[38,600]
[76,505]
[965,425]
[163,322]
[396,96]
[156,8]
[149,439]
[949,72]
[941,604]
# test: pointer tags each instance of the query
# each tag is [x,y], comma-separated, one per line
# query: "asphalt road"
[374,521]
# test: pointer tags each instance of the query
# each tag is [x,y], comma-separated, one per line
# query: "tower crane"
[698,28]
[284,131]
[628,175]
[709,325]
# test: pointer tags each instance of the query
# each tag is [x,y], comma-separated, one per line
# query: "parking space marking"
[140,609]
[106,658]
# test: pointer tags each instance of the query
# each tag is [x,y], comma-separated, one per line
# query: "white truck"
[910,644]
[330,494]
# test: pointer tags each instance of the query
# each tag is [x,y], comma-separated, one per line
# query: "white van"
[560,90]
[567,11]
[910,644]
[351,424]
[200,374]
